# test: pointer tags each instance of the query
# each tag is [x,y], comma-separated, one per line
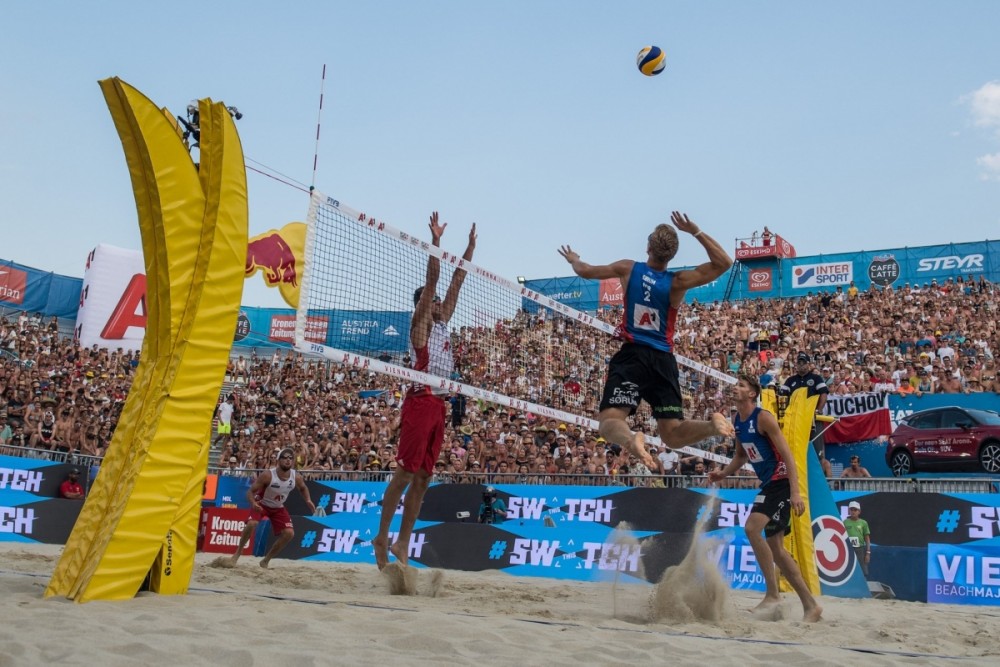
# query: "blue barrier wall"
[926,546]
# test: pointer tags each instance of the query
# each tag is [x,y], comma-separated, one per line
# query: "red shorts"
[280,519]
[421,432]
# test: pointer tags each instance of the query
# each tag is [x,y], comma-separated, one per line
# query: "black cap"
[803,358]
[74,471]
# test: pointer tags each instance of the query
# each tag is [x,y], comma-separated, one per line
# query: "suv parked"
[945,438]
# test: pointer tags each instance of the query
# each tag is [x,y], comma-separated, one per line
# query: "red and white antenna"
[319,118]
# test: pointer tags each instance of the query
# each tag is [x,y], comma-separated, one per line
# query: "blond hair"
[752,382]
[663,243]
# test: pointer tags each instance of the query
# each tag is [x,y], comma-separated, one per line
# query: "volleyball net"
[513,347]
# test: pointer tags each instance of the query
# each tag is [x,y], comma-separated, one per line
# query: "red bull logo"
[271,254]
[278,255]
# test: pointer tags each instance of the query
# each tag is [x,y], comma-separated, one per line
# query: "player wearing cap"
[806,377]
[267,496]
[859,535]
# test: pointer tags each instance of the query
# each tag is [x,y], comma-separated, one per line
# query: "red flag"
[859,417]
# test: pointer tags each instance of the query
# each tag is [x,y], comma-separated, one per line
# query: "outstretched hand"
[568,254]
[683,222]
[436,229]
[472,236]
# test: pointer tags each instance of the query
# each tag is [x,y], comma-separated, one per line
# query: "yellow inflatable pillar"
[194,234]
[796,424]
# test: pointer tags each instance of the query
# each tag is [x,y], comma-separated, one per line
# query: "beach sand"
[301,613]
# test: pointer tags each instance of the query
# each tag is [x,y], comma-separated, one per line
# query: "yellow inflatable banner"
[193,222]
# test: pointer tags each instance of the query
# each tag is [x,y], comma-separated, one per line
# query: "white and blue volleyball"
[651,60]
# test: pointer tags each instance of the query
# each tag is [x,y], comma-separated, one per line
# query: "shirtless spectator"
[855,470]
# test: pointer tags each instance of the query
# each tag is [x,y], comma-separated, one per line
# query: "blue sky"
[842,126]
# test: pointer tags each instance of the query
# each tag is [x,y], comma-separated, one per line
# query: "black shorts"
[775,501]
[637,373]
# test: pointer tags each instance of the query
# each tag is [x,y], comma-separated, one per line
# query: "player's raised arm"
[424,299]
[619,269]
[718,262]
[451,297]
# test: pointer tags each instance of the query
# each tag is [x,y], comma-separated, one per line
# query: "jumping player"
[645,368]
[759,439]
[422,417]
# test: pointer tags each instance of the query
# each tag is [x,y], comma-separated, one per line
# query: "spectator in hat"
[859,535]
[230,469]
[71,488]
[807,379]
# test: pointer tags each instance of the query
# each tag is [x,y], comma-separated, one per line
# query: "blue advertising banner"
[568,532]
[368,330]
[573,291]
[970,260]
[232,491]
[25,288]
[30,507]
[836,563]
[963,574]
[775,278]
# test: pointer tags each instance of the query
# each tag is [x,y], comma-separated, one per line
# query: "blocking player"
[422,417]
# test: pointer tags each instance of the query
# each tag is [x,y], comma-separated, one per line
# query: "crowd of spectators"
[58,397]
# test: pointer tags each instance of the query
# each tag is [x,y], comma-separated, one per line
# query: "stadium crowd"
[58,397]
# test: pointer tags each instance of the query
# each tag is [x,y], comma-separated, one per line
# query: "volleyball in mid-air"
[651,60]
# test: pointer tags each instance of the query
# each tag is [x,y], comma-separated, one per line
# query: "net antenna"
[319,118]
[523,350]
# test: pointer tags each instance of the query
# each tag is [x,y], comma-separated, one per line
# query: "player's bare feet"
[767,603]
[723,426]
[638,448]
[813,614]
[769,609]
[265,562]
[381,546]
[399,551]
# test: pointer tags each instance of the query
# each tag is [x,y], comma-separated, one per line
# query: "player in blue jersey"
[644,368]
[759,440]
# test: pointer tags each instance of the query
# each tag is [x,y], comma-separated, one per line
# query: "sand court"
[321,613]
